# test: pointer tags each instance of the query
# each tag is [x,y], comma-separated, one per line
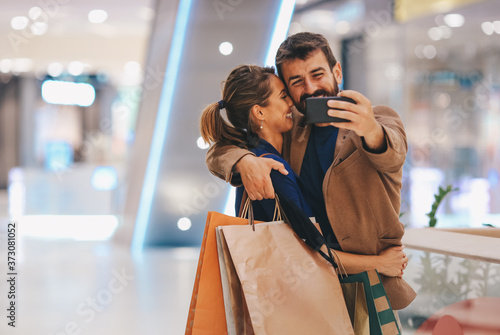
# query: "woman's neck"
[275,139]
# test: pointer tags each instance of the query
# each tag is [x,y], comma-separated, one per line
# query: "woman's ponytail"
[215,129]
[210,123]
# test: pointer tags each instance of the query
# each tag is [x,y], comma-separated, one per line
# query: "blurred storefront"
[437,64]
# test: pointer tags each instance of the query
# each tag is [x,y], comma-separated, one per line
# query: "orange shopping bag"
[206,312]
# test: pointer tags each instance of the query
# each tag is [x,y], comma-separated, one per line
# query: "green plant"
[438,198]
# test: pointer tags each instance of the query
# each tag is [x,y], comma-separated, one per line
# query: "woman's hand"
[392,261]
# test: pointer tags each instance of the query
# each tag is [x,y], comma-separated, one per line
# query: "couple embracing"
[347,175]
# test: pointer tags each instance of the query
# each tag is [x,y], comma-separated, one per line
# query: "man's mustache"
[317,93]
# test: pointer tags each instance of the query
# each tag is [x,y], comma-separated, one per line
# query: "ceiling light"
[454,20]
[439,19]
[445,31]
[184,224]
[19,22]
[200,142]
[76,68]
[39,28]
[97,16]
[104,178]
[225,48]
[22,65]
[68,93]
[442,99]
[294,28]
[55,69]
[419,51]
[496,25]
[34,13]
[435,33]
[429,51]
[394,72]
[488,28]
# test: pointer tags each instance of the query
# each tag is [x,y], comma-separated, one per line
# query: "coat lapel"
[300,137]
[344,147]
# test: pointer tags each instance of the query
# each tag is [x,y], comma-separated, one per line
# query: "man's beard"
[301,105]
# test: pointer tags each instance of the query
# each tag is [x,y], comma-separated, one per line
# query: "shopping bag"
[206,312]
[237,315]
[286,286]
[368,305]
[369,308]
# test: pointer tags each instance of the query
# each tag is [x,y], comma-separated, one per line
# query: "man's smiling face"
[311,77]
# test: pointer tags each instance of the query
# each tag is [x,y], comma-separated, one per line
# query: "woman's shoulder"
[276,157]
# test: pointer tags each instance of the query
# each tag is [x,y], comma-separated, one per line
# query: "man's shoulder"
[386,115]
[384,110]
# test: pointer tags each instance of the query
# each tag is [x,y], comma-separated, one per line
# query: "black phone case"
[317,108]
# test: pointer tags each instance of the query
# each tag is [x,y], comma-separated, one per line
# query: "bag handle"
[300,224]
[247,212]
[246,209]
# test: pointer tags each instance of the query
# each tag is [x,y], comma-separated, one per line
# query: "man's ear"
[337,72]
[257,113]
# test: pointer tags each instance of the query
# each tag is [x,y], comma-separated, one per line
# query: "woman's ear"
[257,113]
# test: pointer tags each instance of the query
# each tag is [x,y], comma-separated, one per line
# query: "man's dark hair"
[301,45]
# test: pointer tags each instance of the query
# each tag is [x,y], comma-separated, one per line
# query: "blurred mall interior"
[102,166]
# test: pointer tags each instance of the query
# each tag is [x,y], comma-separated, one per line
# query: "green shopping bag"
[368,306]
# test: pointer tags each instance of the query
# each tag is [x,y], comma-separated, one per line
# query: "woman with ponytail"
[259,112]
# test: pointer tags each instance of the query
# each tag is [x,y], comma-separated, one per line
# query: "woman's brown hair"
[245,87]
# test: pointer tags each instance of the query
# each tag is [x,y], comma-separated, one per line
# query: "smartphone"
[317,110]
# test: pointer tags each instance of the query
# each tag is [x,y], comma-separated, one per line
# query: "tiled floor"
[74,287]
[67,287]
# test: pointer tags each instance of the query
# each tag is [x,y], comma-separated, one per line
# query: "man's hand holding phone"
[359,118]
[317,110]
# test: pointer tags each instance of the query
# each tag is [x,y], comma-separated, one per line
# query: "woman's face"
[277,114]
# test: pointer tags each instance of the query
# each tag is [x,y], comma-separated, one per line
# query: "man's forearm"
[221,161]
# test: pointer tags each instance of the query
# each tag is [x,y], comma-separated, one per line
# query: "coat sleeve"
[221,162]
[393,158]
